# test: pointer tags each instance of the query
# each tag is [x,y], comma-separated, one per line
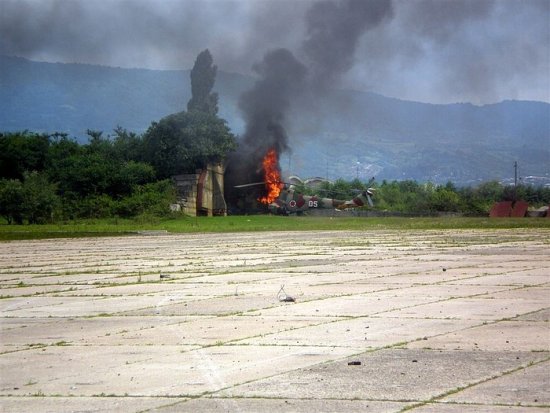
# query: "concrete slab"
[540,293]
[29,290]
[85,404]
[216,330]
[474,408]
[440,321]
[530,385]
[518,278]
[470,308]
[500,336]
[259,405]
[440,291]
[93,371]
[425,277]
[298,277]
[219,306]
[359,305]
[539,315]
[243,277]
[364,333]
[396,374]
[74,306]
[305,288]
[174,371]
[140,287]
[90,331]
[68,278]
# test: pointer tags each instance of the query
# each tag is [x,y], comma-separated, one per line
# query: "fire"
[272,177]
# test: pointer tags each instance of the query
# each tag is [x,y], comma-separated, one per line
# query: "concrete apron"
[385,321]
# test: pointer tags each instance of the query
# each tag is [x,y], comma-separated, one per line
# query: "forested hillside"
[350,134]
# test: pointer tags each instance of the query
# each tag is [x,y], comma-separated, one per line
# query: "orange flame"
[272,177]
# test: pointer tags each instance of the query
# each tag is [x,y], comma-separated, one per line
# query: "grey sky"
[439,51]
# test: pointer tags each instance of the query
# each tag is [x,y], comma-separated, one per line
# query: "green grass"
[254,223]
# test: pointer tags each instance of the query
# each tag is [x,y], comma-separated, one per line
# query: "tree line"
[50,177]
[411,197]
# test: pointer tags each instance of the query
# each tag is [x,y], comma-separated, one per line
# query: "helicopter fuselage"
[291,202]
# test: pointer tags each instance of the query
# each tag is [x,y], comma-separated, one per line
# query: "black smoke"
[264,109]
[436,51]
[290,84]
[334,29]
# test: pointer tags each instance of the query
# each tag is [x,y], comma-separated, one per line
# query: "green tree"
[85,174]
[93,206]
[472,203]
[341,189]
[127,146]
[128,175]
[203,77]
[491,191]
[22,151]
[11,200]
[100,146]
[444,199]
[60,153]
[401,196]
[536,196]
[152,199]
[185,141]
[34,199]
[40,200]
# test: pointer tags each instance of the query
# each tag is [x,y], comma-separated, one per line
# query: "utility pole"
[515,181]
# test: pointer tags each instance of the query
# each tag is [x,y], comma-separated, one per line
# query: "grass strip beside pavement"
[258,223]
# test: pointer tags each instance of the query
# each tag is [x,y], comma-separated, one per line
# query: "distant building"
[316,182]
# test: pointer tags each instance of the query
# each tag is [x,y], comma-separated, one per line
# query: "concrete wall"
[202,193]
[186,192]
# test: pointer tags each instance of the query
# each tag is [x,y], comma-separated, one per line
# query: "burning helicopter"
[290,201]
[284,199]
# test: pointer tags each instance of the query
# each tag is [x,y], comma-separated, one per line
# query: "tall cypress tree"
[203,77]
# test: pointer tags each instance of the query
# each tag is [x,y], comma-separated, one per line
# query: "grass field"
[113,227]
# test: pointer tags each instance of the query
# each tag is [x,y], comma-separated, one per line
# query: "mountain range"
[347,134]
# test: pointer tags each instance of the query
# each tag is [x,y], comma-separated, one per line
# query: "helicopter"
[290,201]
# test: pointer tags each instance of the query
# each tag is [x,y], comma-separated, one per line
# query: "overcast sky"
[439,51]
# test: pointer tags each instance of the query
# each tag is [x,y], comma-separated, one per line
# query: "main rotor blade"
[260,183]
[370,200]
[247,185]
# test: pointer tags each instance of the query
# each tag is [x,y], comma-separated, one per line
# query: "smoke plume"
[436,51]
[287,83]
[333,33]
